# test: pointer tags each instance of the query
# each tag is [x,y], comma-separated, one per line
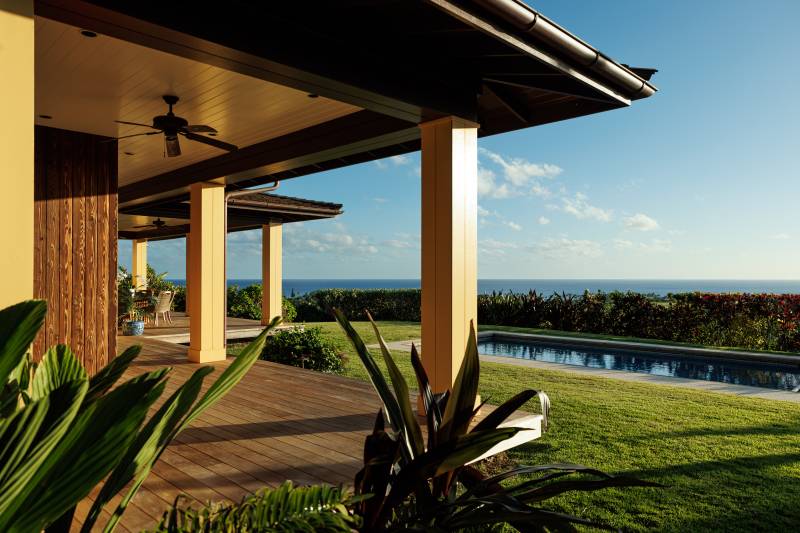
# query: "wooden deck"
[279,423]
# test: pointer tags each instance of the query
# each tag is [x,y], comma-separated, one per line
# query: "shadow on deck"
[278,423]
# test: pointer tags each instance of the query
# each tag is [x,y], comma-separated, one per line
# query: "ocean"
[548,286]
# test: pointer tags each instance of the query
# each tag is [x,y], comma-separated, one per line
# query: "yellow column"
[16,151]
[139,264]
[186,275]
[207,273]
[271,272]
[449,245]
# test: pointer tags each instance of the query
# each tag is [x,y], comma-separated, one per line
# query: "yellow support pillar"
[449,245]
[139,264]
[16,151]
[271,272]
[207,273]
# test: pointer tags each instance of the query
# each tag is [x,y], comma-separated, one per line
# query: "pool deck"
[639,377]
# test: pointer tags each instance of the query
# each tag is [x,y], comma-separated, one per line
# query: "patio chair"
[162,307]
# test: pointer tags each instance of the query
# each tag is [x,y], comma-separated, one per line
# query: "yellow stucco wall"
[16,151]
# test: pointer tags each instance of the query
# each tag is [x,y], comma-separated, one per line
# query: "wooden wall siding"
[75,260]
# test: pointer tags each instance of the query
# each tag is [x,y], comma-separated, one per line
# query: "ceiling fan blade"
[216,143]
[199,128]
[173,146]
[142,226]
[135,124]
[127,136]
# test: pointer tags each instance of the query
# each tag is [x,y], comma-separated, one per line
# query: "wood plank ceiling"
[86,83]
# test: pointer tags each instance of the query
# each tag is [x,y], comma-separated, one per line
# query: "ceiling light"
[87,33]
[128,153]
[313,95]
[46,117]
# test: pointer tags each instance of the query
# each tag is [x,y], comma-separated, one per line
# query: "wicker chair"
[163,306]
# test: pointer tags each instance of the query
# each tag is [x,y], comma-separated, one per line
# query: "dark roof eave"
[532,25]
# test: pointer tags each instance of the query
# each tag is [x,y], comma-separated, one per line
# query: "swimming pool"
[755,374]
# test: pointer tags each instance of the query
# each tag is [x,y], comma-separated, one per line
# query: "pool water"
[766,375]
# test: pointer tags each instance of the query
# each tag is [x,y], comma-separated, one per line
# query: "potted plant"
[133,323]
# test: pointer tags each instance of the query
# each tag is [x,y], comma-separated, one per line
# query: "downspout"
[228,196]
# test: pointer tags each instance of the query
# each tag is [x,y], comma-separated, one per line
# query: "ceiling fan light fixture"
[88,33]
[46,117]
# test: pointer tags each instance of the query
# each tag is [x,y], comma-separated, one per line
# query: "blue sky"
[698,181]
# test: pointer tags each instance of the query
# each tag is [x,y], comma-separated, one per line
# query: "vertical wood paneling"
[75,258]
[111,161]
[40,234]
[79,246]
[51,271]
[65,231]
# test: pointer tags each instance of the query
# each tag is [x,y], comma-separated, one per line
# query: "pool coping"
[673,349]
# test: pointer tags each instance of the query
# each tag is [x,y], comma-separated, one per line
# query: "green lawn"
[729,463]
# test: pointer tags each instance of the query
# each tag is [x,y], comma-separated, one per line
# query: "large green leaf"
[145,451]
[58,366]
[433,415]
[501,413]
[94,444]
[461,405]
[29,475]
[101,382]
[412,433]
[19,325]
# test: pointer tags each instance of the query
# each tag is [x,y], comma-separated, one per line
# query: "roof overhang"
[496,62]
[245,212]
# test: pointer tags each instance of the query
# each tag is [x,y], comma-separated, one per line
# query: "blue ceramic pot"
[133,327]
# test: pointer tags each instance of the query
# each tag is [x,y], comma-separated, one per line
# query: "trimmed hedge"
[383,304]
[752,321]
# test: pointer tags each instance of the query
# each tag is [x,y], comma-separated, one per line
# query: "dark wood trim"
[351,134]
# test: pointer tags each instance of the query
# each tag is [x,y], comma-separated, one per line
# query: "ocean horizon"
[661,287]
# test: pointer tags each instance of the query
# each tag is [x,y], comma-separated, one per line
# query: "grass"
[728,462]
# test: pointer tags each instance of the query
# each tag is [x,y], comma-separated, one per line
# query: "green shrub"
[384,304]
[305,348]
[246,303]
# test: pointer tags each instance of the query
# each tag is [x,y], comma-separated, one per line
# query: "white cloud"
[543,221]
[487,185]
[579,207]
[521,172]
[301,240]
[380,200]
[493,247]
[396,160]
[396,243]
[513,225]
[486,217]
[653,246]
[563,248]
[640,222]
[780,237]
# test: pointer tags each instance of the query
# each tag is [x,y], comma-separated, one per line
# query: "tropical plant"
[63,431]
[287,508]
[420,484]
[305,348]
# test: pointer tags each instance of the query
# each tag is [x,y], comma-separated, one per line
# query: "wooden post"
[207,273]
[139,264]
[16,152]
[271,272]
[449,245]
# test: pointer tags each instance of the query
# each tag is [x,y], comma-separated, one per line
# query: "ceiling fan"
[157,223]
[172,125]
